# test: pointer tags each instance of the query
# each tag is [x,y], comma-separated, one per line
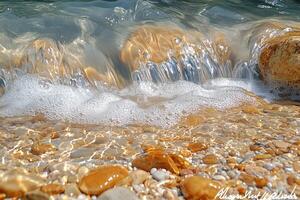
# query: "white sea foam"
[148,103]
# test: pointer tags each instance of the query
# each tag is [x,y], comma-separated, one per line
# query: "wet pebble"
[159,174]
[118,193]
[101,179]
[192,188]
[15,184]
[52,189]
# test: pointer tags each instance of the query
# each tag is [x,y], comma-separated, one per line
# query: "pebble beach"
[150,100]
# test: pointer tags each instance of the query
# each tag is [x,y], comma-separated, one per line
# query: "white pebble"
[160,175]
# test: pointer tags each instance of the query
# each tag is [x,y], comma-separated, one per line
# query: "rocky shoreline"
[245,149]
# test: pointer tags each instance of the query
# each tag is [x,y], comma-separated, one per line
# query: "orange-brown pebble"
[199,188]
[296,166]
[155,159]
[193,120]
[52,189]
[180,162]
[241,190]
[254,147]
[210,159]
[2,196]
[102,179]
[39,149]
[261,182]
[54,135]
[231,160]
[195,147]
[263,156]
[290,180]
[250,109]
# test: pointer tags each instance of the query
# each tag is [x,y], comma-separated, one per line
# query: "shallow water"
[91,33]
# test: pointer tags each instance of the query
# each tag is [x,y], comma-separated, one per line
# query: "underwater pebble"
[118,193]
[101,179]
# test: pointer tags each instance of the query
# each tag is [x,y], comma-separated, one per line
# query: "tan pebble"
[36,195]
[82,171]
[246,178]
[262,156]
[296,166]
[250,109]
[255,170]
[16,185]
[297,181]
[53,189]
[139,177]
[210,159]
[199,188]
[185,153]
[39,149]
[151,184]
[261,182]
[185,172]
[231,160]
[196,147]
[281,144]
[72,190]
[168,195]
[54,135]
[171,183]
[101,179]
[193,120]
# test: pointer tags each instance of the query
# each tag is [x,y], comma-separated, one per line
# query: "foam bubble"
[161,105]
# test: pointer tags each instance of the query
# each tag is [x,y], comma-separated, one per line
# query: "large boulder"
[279,56]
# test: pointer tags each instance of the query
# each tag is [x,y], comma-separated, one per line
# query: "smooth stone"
[155,159]
[52,189]
[159,175]
[296,166]
[210,159]
[15,184]
[39,149]
[196,147]
[118,193]
[101,179]
[138,177]
[72,190]
[281,144]
[37,195]
[199,188]
[279,61]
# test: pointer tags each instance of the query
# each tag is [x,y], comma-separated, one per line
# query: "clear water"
[91,33]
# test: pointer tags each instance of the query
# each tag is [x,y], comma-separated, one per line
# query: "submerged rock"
[101,179]
[117,194]
[199,188]
[157,158]
[279,61]
[167,52]
[17,184]
[275,46]
[52,189]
